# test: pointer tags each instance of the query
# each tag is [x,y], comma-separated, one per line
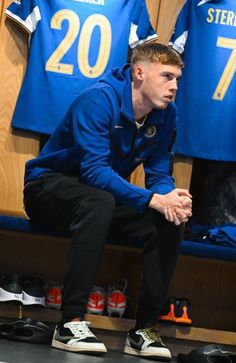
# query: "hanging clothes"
[205,34]
[71,44]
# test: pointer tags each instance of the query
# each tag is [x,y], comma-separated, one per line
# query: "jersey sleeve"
[180,35]
[26,13]
[141,29]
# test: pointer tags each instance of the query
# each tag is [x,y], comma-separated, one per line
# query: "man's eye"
[168,76]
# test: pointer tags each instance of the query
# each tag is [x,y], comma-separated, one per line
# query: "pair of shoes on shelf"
[26,330]
[53,295]
[176,311]
[115,300]
[24,289]
[75,336]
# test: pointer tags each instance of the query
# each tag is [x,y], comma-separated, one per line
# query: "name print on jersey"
[222,17]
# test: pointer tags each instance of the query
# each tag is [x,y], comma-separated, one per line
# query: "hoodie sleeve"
[91,130]
[159,166]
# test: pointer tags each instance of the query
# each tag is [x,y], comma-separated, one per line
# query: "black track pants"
[91,215]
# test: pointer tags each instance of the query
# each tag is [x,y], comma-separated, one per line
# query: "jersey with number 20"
[71,44]
[206,99]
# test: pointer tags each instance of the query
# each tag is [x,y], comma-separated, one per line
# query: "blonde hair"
[155,53]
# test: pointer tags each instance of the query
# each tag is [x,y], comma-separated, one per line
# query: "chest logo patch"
[151,131]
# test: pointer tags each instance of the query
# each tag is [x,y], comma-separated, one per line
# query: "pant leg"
[160,256]
[161,245]
[61,202]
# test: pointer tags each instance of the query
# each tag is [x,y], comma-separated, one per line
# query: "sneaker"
[53,296]
[96,301]
[33,291]
[146,343]
[75,336]
[116,299]
[177,311]
[11,288]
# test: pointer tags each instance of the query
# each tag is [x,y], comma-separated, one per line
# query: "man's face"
[159,84]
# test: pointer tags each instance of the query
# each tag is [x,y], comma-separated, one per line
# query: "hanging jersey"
[206,99]
[72,43]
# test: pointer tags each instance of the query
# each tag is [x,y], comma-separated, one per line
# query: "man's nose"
[174,84]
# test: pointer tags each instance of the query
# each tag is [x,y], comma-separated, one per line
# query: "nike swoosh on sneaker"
[137,344]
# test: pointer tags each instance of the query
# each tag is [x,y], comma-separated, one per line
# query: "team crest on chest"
[151,131]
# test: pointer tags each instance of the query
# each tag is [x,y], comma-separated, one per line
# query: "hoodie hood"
[120,80]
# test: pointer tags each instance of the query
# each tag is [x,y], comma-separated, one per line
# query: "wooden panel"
[182,171]
[209,285]
[169,10]
[153,9]
[15,147]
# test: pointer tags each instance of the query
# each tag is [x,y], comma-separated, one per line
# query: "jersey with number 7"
[206,34]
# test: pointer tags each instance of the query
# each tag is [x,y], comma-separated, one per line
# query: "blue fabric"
[191,248]
[224,235]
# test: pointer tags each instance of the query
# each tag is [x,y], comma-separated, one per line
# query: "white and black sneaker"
[146,343]
[75,336]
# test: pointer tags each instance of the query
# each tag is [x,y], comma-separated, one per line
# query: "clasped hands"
[176,205]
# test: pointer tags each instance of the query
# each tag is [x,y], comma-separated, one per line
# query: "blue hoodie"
[98,140]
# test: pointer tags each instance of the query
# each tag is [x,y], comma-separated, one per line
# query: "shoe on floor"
[208,353]
[146,343]
[75,336]
[27,330]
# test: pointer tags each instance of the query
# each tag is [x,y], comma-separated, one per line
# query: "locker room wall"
[16,146]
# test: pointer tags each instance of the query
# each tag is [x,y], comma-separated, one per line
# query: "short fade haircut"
[155,53]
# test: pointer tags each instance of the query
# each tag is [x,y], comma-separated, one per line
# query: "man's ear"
[139,73]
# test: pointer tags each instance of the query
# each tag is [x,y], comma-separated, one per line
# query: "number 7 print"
[229,70]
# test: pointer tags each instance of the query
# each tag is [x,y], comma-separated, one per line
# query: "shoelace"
[151,334]
[80,329]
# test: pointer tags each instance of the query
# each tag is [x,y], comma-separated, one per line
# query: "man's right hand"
[176,206]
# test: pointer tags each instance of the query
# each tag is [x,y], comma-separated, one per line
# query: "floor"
[17,352]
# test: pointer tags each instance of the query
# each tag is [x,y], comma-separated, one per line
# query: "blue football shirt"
[206,99]
[72,43]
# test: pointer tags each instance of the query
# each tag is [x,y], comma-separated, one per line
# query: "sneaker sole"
[164,355]
[69,348]
[32,300]
[10,296]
